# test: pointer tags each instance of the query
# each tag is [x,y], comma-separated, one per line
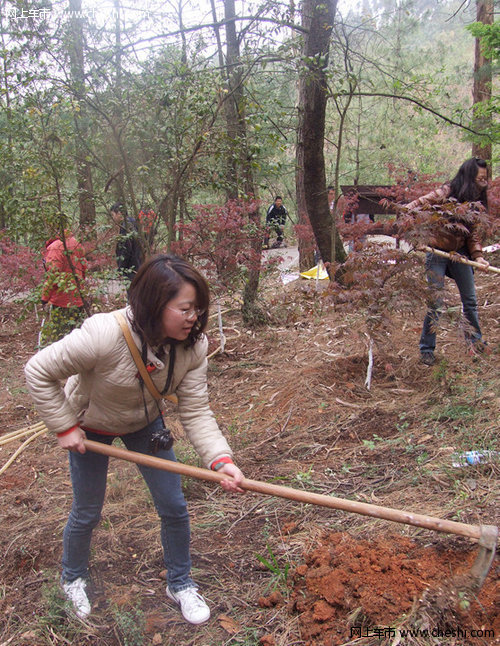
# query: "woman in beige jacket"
[104,397]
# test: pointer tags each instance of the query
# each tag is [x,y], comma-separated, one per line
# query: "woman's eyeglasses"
[188,314]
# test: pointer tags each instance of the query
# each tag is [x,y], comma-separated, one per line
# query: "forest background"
[183,110]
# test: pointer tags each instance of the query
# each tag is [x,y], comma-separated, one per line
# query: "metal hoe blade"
[486,554]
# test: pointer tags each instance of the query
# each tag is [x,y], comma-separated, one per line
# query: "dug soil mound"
[349,588]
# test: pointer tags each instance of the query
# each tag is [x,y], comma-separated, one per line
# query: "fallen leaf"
[29,635]
[155,621]
[229,625]
[289,527]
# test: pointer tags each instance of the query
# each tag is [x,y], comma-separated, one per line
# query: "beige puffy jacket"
[103,392]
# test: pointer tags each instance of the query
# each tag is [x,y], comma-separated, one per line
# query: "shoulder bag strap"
[136,355]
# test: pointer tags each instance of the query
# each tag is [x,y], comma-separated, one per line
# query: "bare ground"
[291,397]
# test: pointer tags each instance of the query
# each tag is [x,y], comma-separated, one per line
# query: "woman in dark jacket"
[129,254]
[460,234]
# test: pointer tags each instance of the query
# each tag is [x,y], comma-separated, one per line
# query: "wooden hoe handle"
[456,257]
[366,509]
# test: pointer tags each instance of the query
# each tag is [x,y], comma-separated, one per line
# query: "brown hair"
[157,282]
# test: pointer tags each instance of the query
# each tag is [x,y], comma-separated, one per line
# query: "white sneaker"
[192,605]
[75,592]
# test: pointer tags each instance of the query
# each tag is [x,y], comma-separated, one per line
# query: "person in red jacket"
[65,267]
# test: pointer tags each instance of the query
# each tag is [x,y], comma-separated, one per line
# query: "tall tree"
[312,198]
[481,94]
[83,168]
[117,117]
[243,184]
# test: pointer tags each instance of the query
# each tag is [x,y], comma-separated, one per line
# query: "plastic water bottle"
[473,457]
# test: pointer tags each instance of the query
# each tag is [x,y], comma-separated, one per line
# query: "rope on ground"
[222,336]
[368,380]
[226,338]
[221,329]
[18,452]
[229,309]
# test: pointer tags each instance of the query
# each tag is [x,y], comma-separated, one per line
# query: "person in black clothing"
[128,248]
[275,221]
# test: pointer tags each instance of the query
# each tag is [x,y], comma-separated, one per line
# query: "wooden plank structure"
[368,198]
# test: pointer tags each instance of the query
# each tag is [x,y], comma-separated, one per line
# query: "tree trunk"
[306,254]
[119,175]
[312,198]
[168,209]
[238,166]
[83,169]
[482,82]
[6,92]
[231,167]
[240,175]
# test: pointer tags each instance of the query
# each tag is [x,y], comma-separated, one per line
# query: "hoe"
[486,535]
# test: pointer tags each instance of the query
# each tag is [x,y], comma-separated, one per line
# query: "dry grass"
[292,401]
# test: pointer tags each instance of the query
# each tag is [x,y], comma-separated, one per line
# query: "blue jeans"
[88,476]
[437,267]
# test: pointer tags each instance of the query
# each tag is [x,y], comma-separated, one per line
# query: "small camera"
[161,440]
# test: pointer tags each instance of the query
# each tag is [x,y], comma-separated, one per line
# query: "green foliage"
[130,625]
[279,572]
[56,618]
[490,38]
[59,322]
[454,411]
[151,123]
[304,477]
[36,148]
[486,112]
[20,269]
[249,637]
[380,60]
[55,607]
